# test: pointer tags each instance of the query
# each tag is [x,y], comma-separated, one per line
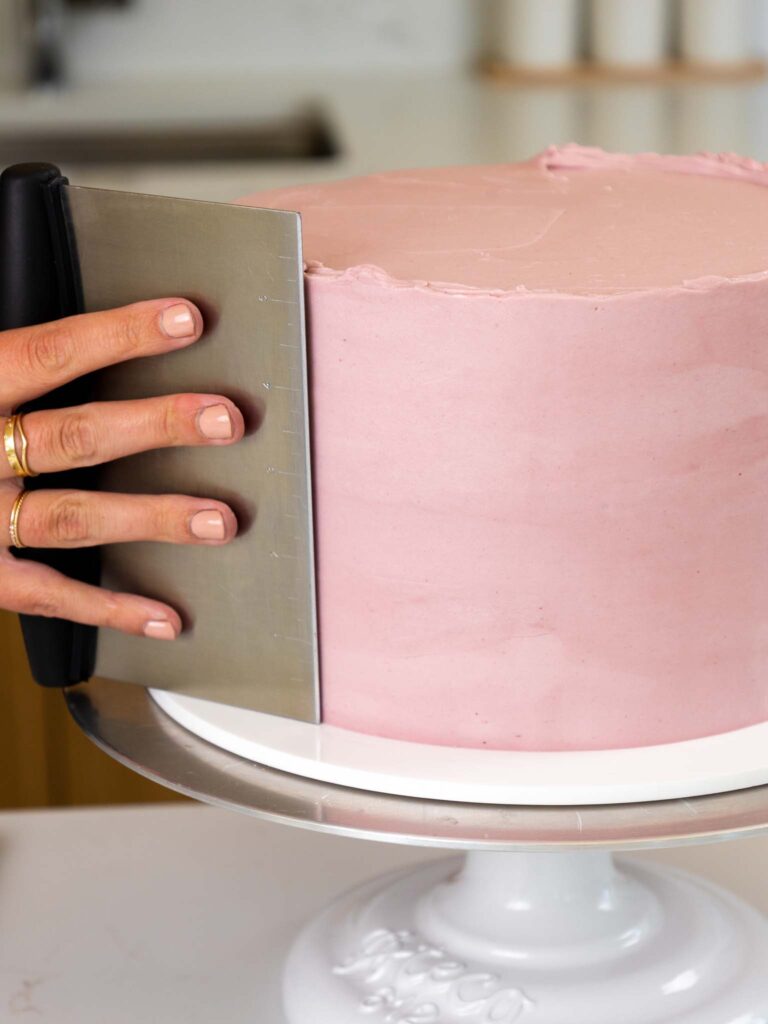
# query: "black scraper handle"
[40,281]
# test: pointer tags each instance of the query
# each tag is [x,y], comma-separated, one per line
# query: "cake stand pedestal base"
[573,937]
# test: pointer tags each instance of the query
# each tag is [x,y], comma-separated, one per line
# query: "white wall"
[165,38]
[157,38]
[760,19]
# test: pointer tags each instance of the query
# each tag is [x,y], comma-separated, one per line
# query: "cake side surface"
[541,513]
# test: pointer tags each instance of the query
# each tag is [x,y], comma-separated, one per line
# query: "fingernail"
[177,321]
[215,422]
[159,630]
[208,525]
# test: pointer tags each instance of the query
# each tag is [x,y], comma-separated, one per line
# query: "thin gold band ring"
[13,525]
[17,458]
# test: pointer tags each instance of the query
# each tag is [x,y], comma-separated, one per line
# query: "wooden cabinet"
[45,761]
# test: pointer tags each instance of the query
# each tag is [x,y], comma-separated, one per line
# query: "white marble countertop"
[182,914]
[384,121]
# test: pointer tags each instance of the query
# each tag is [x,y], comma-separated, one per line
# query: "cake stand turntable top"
[125,722]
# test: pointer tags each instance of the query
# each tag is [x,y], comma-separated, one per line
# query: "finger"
[34,589]
[76,519]
[38,359]
[90,434]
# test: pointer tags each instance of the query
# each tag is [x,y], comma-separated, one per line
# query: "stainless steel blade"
[251,637]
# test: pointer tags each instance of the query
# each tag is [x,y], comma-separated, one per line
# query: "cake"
[540,444]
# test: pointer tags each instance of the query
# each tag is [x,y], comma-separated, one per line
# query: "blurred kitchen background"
[213,100]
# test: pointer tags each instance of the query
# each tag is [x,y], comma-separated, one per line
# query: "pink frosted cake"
[540,401]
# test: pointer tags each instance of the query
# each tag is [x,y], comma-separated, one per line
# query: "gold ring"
[16,459]
[13,526]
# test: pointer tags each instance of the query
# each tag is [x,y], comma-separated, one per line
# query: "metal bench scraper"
[249,608]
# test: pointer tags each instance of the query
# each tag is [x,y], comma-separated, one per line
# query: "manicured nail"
[208,525]
[177,321]
[159,630]
[215,422]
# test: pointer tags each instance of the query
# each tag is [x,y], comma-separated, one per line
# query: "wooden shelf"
[586,74]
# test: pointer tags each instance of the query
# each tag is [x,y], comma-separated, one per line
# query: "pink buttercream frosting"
[540,429]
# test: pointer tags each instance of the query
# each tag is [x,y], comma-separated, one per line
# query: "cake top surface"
[572,220]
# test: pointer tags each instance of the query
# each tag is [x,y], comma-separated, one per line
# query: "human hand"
[36,360]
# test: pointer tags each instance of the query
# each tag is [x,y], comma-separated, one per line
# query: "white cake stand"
[539,924]
[712,764]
